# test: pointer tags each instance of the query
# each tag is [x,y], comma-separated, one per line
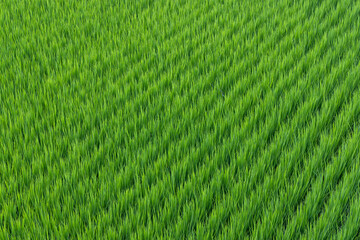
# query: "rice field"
[160,119]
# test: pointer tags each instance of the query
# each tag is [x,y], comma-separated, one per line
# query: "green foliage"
[179,119]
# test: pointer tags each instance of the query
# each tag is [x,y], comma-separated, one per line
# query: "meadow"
[179,119]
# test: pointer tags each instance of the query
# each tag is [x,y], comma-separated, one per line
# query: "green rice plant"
[179,119]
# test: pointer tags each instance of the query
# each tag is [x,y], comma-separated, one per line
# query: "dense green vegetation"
[159,119]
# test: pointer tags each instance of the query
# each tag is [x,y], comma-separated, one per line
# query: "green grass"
[179,119]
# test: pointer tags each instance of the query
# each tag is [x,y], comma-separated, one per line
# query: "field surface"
[179,119]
